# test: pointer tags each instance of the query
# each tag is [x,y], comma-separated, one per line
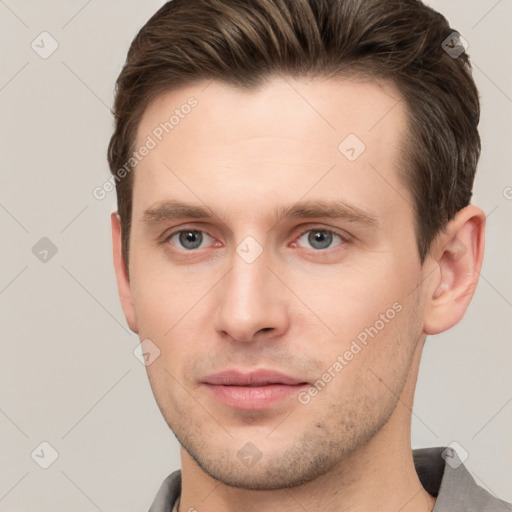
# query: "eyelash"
[344,237]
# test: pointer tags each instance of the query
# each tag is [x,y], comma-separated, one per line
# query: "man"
[294,181]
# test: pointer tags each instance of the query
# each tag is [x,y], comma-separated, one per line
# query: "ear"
[123,281]
[458,253]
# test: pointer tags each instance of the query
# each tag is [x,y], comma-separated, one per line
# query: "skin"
[245,155]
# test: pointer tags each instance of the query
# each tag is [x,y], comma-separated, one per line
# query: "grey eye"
[319,239]
[188,239]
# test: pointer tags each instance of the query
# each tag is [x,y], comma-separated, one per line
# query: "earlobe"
[458,253]
[123,281]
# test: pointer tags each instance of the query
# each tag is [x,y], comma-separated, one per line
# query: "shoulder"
[168,493]
[443,475]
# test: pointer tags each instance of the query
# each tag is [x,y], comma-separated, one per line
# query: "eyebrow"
[326,209]
[171,210]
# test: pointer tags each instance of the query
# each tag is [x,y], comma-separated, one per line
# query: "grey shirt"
[444,478]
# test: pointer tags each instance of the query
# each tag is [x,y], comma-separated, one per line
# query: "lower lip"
[254,397]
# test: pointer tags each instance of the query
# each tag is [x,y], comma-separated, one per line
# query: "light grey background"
[68,375]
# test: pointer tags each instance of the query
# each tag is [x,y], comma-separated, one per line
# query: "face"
[274,266]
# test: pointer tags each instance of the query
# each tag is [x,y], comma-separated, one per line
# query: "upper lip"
[256,378]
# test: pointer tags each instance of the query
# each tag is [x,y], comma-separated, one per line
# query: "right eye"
[189,239]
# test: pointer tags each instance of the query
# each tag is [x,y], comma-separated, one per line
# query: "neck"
[378,476]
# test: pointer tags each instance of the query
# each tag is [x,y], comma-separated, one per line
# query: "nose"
[251,303]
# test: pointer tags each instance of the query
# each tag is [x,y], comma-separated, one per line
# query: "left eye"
[190,239]
[319,239]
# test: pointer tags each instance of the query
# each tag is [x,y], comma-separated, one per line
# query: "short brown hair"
[244,42]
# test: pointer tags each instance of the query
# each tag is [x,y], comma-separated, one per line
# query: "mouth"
[255,390]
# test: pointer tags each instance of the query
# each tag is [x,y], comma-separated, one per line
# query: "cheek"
[348,299]
[172,311]
[370,317]
[367,371]
[164,294]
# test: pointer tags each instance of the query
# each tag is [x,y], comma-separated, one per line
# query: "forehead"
[274,140]
[325,106]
